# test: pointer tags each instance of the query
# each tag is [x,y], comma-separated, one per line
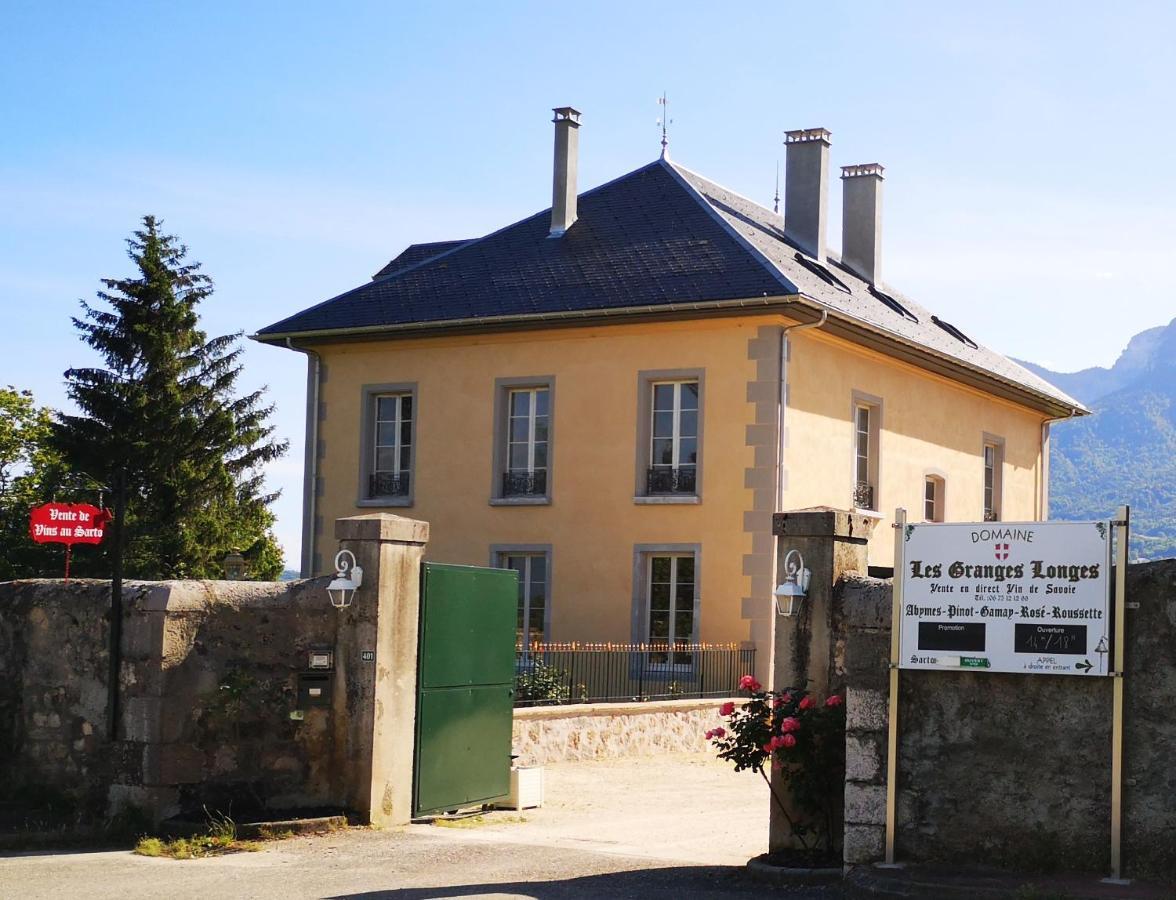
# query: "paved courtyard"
[676,826]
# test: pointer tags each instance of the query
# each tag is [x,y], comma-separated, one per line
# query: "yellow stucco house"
[614,395]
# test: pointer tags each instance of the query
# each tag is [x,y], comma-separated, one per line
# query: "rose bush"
[791,733]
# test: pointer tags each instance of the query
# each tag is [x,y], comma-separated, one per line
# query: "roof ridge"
[677,165]
[454,245]
[726,226]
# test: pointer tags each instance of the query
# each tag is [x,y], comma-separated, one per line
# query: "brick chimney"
[567,155]
[806,189]
[861,220]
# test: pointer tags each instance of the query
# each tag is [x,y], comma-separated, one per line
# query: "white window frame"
[398,445]
[671,637]
[992,496]
[676,435]
[873,458]
[532,416]
[938,500]
[859,436]
[500,558]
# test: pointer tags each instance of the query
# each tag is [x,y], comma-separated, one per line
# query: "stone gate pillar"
[376,665]
[833,543]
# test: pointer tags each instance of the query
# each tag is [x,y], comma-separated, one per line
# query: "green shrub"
[540,683]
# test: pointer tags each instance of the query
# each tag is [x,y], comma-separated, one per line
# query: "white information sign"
[1029,597]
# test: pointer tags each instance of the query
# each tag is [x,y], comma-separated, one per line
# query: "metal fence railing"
[556,673]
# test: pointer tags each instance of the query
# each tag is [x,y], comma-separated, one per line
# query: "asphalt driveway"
[675,826]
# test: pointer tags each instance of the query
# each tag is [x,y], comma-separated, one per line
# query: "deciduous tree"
[30,473]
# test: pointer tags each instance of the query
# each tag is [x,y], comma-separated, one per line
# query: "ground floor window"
[670,601]
[533,591]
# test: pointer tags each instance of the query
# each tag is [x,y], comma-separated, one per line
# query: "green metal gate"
[465,687]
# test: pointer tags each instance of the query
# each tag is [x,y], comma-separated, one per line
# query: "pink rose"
[719,732]
[789,724]
[787,697]
[834,700]
[727,709]
[788,740]
[769,747]
[748,683]
[806,703]
[778,702]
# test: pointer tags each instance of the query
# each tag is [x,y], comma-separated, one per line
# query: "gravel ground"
[673,827]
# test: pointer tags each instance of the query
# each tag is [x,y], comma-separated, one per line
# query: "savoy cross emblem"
[1002,551]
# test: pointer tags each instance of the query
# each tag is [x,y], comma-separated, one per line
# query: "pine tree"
[163,415]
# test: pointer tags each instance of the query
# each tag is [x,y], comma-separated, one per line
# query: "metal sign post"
[116,603]
[1122,525]
[892,718]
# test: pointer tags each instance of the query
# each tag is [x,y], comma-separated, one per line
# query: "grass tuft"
[478,821]
[220,839]
[149,846]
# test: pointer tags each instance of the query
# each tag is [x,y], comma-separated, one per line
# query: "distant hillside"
[1126,451]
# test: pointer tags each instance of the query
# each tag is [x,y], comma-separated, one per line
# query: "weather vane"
[664,122]
[776,199]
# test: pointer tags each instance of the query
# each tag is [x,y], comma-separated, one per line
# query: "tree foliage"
[30,474]
[163,414]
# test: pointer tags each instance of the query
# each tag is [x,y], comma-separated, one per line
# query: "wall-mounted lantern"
[348,578]
[234,564]
[795,586]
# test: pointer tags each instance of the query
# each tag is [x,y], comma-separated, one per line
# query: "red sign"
[68,523]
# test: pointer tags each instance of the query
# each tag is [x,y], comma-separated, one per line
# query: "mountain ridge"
[1125,451]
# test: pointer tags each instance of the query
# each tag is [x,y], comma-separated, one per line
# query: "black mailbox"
[315,688]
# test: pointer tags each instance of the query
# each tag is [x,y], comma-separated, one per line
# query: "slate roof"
[658,236]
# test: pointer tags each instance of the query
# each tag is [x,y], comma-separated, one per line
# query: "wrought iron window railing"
[863,495]
[388,484]
[668,480]
[524,484]
[556,673]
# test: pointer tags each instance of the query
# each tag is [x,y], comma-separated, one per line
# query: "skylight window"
[893,304]
[821,272]
[954,332]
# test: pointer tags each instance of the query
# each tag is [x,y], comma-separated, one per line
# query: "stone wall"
[208,680]
[549,734]
[53,693]
[211,712]
[1008,770]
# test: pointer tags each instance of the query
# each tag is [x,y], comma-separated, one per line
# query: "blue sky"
[296,147]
